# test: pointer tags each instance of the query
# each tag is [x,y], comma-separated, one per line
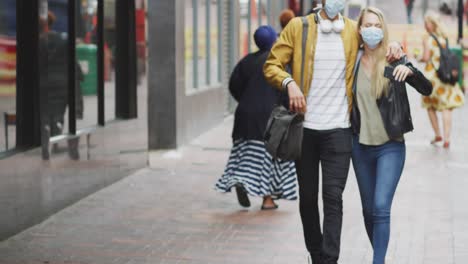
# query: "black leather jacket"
[394,107]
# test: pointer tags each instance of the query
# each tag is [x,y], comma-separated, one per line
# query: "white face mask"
[334,7]
[327,26]
[372,36]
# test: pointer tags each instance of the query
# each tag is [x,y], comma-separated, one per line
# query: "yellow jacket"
[288,49]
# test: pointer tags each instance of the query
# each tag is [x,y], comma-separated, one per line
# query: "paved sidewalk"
[169,213]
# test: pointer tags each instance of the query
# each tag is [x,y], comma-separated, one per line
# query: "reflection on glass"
[7,74]
[54,61]
[56,75]
[53,70]
[86,56]
[109,51]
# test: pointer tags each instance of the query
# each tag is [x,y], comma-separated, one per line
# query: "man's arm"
[275,66]
[394,52]
[281,55]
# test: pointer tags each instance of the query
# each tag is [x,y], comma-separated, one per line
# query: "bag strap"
[438,42]
[305,28]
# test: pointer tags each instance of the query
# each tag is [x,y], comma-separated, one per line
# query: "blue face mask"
[372,36]
[333,7]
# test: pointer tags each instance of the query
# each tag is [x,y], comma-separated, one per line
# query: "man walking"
[329,57]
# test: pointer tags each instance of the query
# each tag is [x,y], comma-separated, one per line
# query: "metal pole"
[5,115]
[195,43]
[259,12]
[268,12]
[208,41]
[460,21]
[100,63]
[249,26]
[220,40]
[72,16]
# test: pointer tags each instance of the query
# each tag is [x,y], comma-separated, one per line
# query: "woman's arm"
[405,71]
[419,81]
[411,75]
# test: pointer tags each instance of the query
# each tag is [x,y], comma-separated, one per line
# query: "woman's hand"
[297,101]
[394,52]
[401,72]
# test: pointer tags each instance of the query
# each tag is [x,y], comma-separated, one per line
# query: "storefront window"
[253,13]
[7,74]
[203,39]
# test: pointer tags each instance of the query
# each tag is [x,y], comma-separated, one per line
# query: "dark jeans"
[378,170]
[332,149]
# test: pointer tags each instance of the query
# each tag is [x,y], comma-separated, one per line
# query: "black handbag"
[284,131]
[283,137]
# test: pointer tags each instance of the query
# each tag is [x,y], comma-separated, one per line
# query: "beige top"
[372,130]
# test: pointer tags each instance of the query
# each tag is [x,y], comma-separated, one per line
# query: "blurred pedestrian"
[409,10]
[295,6]
[320,87]
[285,16]
[250,168]
[445,97]
[378,147]
[466,12]
[445,9]
[54,61]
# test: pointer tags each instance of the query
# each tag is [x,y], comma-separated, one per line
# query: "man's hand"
[297,101]
[394,52]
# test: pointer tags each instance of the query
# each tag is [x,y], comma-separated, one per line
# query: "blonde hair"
[434,18]
[379,84]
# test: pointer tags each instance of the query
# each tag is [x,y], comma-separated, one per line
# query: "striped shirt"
[327,102]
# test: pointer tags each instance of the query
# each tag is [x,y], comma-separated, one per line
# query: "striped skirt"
[253,167]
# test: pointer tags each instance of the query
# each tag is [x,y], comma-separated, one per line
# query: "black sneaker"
[242,196]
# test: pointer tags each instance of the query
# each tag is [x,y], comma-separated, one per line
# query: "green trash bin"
[86,55]
[459,52]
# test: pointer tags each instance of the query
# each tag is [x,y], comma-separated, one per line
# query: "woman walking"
[379,150]
[445,96]
[250,169]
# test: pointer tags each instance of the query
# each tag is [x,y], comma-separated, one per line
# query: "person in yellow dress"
[445,97]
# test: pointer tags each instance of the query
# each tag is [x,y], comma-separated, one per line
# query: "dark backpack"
[449,69]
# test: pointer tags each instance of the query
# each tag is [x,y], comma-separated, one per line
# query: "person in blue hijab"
[265,37]
[250,169]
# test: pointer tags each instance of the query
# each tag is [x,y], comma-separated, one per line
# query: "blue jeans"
[378,170]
